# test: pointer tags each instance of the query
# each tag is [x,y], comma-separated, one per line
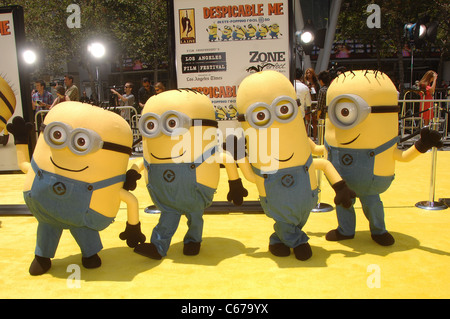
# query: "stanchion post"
[431,204]
[321,207]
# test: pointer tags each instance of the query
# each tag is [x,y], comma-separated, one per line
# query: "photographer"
[126,99]
[42,99]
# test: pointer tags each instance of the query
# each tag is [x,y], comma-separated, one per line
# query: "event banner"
[218,43]
[10,89]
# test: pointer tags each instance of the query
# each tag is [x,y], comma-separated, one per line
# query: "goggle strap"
[116,148]
[384,109]
[205,122]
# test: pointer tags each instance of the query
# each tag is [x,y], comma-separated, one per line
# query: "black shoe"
[335,235]
[303,252]
[40,265]
[280,250]
[91,262]
[148,250]
[191,249]
[385,239]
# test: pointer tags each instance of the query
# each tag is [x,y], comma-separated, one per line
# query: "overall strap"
[146,164]
[327,146]
[380,149]
[34,166]
[372,152]
[305,167]
[91,186]
[308,163]
[207,154]
[108,182]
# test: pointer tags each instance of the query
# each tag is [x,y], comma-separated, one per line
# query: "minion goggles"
[80,141]
[170,123]
[348,110]
[261,115]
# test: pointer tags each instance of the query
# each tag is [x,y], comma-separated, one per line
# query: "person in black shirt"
[145,92]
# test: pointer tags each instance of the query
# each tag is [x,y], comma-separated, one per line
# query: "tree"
[389,38]
[135,29]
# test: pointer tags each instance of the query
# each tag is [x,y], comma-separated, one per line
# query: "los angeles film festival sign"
[218,43]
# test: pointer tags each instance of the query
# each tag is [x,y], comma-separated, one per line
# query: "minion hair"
[375,73]
[4,76]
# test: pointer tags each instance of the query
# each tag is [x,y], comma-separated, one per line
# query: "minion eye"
[261,116]
[284,110]
[58,135]
[151,125]
[346,112]
[172,123]
[81,142]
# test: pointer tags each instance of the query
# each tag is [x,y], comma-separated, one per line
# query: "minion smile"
[285,160]
[167,158]
[67,169]
[351,141]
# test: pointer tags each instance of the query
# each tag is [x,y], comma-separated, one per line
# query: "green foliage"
[136,29]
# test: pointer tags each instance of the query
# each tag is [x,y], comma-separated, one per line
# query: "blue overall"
[60,203]
[356,167]
[289,201]
[174,190]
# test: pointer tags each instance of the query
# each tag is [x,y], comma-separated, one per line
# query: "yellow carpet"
[234,261]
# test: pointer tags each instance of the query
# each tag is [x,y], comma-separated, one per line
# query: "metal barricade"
[130,114]
[410,116]
[38,120]
[408,132]
[310,112]
[431,204]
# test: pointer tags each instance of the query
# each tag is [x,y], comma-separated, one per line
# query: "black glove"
[20,130]
[131,178]
[133,235]
[237,192]
[344,195]
[428,139]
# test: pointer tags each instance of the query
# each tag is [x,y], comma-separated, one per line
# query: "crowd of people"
[312,92]
[43,99]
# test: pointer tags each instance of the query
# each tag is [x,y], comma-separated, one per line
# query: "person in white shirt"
[302,92]
[126,99]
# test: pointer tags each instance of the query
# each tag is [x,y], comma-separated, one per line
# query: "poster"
[12,83]
[217,44]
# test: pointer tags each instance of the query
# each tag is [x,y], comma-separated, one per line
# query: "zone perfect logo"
[269,57]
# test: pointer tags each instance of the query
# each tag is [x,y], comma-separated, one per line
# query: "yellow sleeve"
[406,156]
[23,157]
[132,206]
[330,172]
[139,166]
[318,150]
